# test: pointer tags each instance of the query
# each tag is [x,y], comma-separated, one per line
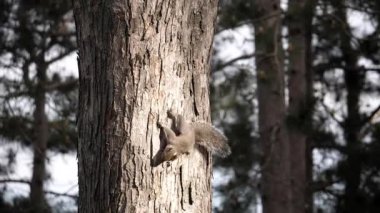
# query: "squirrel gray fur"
[187,134]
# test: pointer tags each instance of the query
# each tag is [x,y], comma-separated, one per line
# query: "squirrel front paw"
[171,113]
[159,124]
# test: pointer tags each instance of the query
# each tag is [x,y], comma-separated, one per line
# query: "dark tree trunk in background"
[299,120]
[137,60]
[353,78]
[308,15]
[276,193]
[37,196]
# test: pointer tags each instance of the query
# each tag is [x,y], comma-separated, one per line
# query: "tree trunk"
[273,136]
[353,200]
[309,15]
[137,60]
[299,119]
[37,197]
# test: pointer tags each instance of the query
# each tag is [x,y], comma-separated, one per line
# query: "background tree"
[37,101]
[137,61]
[332,64]
[346,63]
[299,120]
[276,187]
[233,102]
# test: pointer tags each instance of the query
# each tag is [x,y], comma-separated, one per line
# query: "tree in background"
[233,94]
[299,121]
[234,110]
[37,101]
[346,62]
[275,166]
[342,132]
[137,60]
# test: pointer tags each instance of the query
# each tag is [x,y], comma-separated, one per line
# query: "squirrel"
[186,134]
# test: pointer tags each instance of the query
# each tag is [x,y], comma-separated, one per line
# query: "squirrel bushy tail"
[211,138]
[186,134]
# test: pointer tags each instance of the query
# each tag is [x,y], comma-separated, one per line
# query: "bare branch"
[62,194]
[368,122]
[329,145]
[259,19]
[59,57]
[15,95]
[23,181]
[334,64]
[373,115]
[68,85]
[332,115]
[322,185]
[232,61]
[219,30]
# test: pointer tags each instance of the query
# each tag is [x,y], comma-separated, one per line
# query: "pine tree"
[34,36]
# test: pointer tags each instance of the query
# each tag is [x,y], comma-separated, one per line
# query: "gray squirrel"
[186,134]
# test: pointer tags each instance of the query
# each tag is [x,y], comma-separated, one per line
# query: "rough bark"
[273,136]
[37,196]
[137,60]
[299,107]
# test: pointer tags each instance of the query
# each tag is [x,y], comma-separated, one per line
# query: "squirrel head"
[169,153]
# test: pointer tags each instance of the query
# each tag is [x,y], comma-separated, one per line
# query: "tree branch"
[14,181]
[22,181]
[232,61]
[219,30]
[62,194]
[368,122]
[59,57]
[14,95]
[322,185]
[374,114]
[252,21]
[62,85]
[329,145]
[331,66]
[332,115]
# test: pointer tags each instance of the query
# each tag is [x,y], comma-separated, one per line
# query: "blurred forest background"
[308,72]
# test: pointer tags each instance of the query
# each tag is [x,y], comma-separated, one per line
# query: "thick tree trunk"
[299,106]
[37,197]
[270,80]
[137,60]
